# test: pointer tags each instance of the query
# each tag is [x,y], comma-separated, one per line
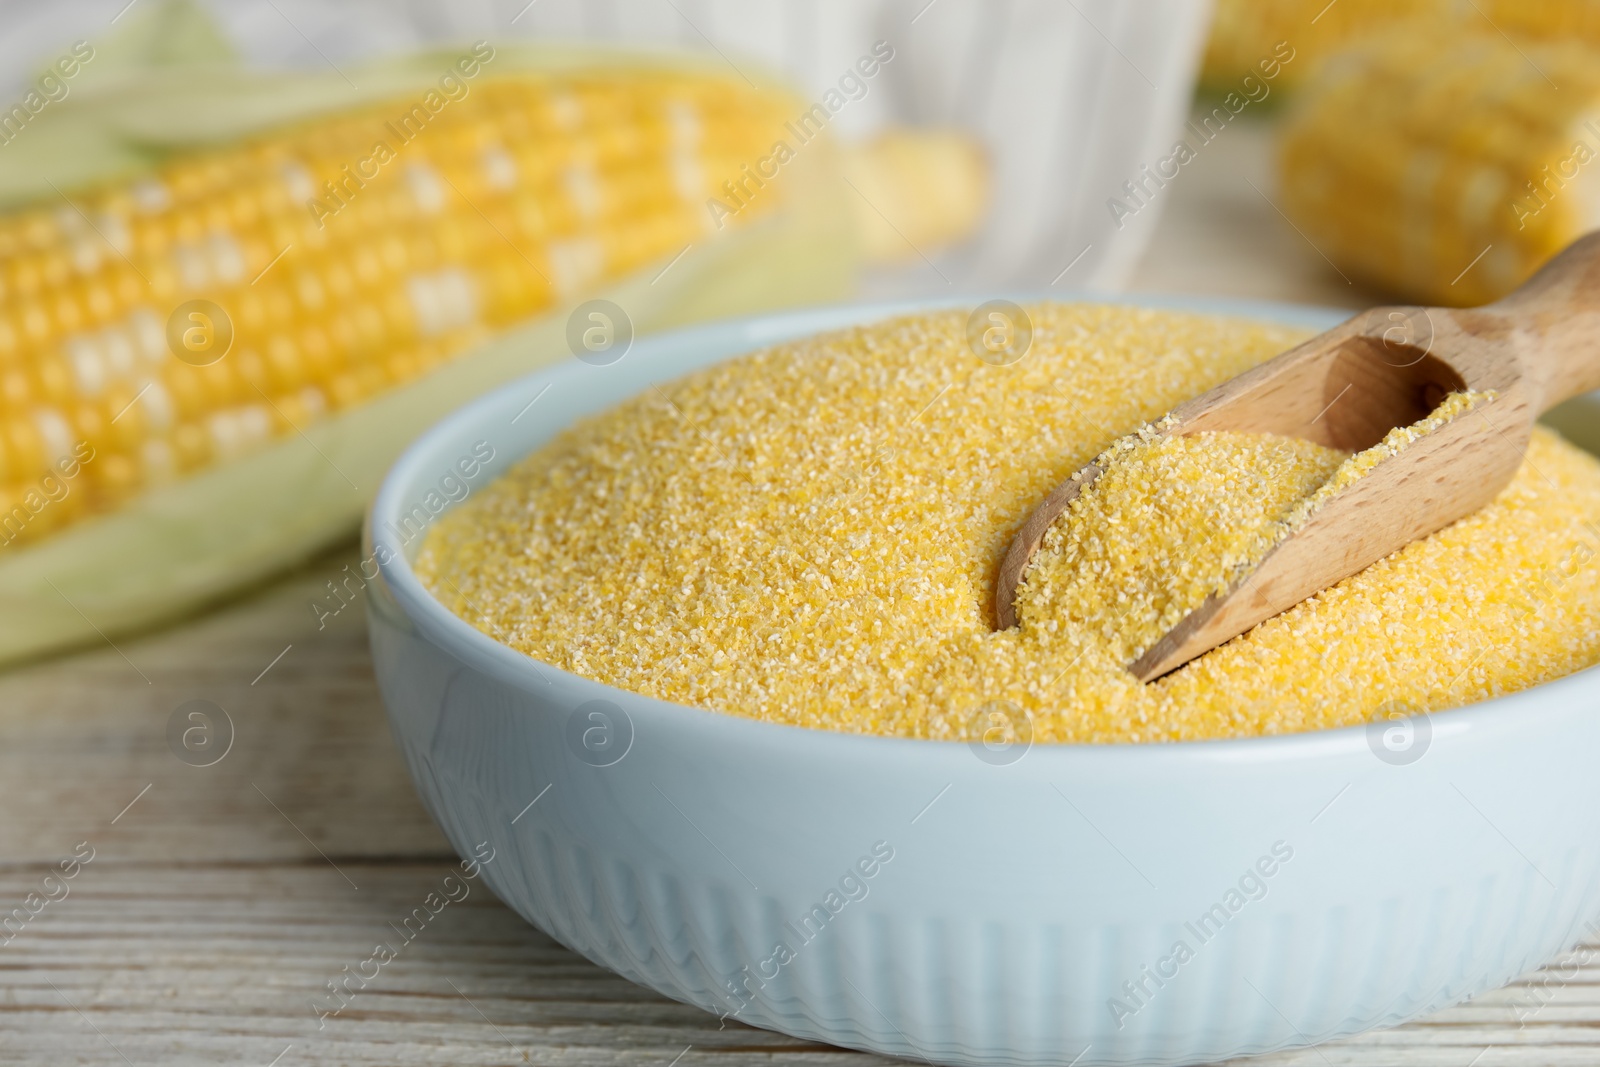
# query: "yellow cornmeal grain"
[1170,521]
[1201,511]
[1453,405]
[810,535]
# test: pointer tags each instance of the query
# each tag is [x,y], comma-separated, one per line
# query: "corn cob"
[1243,32]
[338,273]
[932,187]
[1446,167]
[1572,20]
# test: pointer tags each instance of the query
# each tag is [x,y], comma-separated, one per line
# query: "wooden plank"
[86,734]
[231,963]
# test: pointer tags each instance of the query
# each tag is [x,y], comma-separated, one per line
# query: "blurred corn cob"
[918,190]
[1243,32]
[1557,20]
[1446,166]
[513,198]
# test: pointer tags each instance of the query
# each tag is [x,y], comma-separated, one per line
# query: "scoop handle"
[1555,318]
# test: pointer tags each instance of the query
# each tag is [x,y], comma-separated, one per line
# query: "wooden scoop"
[1346,389]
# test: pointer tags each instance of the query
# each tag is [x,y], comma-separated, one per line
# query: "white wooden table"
[221,899]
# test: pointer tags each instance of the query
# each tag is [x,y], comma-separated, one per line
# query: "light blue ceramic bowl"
[1138,904]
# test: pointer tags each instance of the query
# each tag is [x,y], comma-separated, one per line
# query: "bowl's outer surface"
[1031,912]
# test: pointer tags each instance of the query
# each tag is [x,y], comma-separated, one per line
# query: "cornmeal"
[1171,521]
[1211,505]
[810,535]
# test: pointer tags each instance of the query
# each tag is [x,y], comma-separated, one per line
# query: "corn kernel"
[320,305]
